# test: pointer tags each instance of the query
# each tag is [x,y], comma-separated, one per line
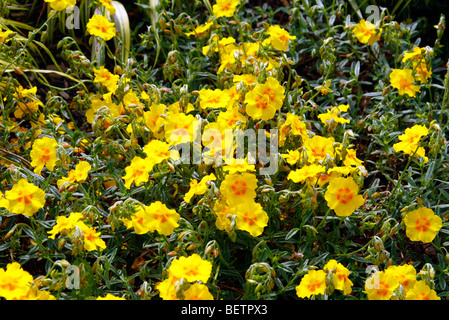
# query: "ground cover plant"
[224,149]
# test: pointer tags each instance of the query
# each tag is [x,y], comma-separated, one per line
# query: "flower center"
[383,291]
[344,195]
[249,220]
[313,285]
[404,84]
[422,224]
[239,188]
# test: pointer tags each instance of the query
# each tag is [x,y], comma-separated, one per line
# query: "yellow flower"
[35,294]
[65,225]
[313,283]
[265,99]
[25,198]
[106,78]
[158,151]
[380,285]
[402,79]
[213,99]
[137,172]
[308,173]
[78,174]
[342,196]
[131,100]
[60,5]
[406,275]
[279,38]
[191,268]
[422,224]
[324,89]
[4,203]
[180,107]
[410,139]
[230,118]
[4,35]
[323,179]
[247,79]
[294,125]
[422,72]
[43,154]
[198,291]
[224,213]
[154,120]
[333,114]
[15,282]
[258,106]
[416,54]
[200,29]
[167,288]
[179,128]
[239,188]
[225,8]
[107,4]
[140,221]
[110,297]
[319,147]
[421,291]
[340,276]
[91,238]
[273,90]
[251,217]
[100,26]
[105,110]
[237,166]
[366,32]
[351,159]
[217,44]
[162,219]
[198,187]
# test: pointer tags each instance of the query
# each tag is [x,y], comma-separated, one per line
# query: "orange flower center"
[8,286]
[139,220]
[226,7]
[163,217]
[422,224]
[102,29]
[313,285]
[283,38]
[344,195]
[383,289]
[26,198]
[89,237]
[239,188]
[261,103]
[249,221]
[270,93]
[46,154]
[422,296]
[318,152]
[404,84]
[368,32]
[138,173]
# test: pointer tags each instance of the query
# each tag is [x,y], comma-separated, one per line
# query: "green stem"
[324,218]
